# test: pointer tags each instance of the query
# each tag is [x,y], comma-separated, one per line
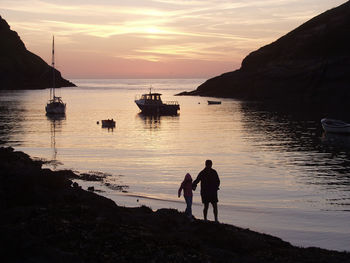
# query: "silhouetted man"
[210,183]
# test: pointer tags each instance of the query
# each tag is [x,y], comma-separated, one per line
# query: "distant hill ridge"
[309,64]
[21,69]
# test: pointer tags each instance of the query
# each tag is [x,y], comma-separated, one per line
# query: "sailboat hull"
[55,108]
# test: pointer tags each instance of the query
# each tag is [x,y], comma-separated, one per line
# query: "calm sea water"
[280,174]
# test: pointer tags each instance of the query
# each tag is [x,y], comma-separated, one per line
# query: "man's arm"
[195,182]
[218,179]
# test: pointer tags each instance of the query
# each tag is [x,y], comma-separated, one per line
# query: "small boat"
[335,126]
[109,123]
[211,102]
[55,104]
[151,103]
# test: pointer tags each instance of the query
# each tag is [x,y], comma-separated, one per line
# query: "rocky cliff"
[309,64]
[21,69]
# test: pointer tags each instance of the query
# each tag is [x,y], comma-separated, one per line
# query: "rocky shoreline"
[47,218]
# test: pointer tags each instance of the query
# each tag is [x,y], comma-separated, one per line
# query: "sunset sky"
[154,38]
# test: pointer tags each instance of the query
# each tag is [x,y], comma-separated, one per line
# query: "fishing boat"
[55,105]
[151,103]
[335,126]
[109,123]
[211,102]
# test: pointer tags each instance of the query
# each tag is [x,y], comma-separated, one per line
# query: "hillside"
[309,64]
[21,69]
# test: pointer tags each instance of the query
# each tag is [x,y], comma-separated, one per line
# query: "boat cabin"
[151,96]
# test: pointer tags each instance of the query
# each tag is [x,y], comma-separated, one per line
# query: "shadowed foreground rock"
[45,219]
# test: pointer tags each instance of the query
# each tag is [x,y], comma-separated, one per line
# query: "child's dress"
[186,185]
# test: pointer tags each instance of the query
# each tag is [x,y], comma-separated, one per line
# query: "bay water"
[280,173]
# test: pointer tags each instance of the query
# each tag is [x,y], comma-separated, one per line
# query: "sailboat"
[55,105]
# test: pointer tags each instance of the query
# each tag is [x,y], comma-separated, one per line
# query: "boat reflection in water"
[151,122]
[56,123]
[154,121]
[336,141]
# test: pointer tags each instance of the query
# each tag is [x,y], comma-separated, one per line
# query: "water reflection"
[336,142]
[338,145]
[12,114]
[109,129]
[153,122]
[56,123]
[292,131]
[323,159]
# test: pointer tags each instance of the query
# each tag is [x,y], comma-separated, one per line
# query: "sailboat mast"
[53,66]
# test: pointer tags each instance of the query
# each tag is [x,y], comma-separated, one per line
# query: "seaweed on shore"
[93,176]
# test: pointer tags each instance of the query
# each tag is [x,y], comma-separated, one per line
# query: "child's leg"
[188,206]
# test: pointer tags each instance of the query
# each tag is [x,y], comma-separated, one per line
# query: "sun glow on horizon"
[212,35]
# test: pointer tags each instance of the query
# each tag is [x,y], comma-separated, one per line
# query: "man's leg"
[205,211]
[215,209]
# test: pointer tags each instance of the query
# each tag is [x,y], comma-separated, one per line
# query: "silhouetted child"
[186,185]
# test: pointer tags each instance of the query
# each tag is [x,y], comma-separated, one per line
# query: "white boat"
[335,126]
[151,103]
[55,105]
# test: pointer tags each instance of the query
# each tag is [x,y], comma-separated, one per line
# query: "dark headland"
[20,68]
[310,64]
[46,218]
